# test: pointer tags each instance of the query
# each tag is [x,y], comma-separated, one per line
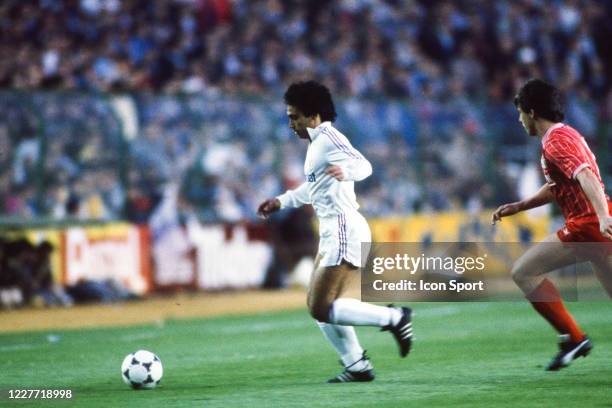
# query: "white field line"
[20,346]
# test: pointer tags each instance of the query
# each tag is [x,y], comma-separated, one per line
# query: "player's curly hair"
[311,98]
[545,100]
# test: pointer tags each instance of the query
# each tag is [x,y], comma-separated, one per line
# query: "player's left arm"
[592,189]
[348,165]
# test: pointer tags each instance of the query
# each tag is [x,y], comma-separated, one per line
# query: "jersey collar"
[550,130]
[313,133]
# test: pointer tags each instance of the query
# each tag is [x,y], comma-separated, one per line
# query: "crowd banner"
[234,256]
[117,251]
[174,259]
[228,258]
[459,227]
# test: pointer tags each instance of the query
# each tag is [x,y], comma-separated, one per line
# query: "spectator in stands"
[45,289]
[432,53]
[20,267]
[26,278]
[148,45]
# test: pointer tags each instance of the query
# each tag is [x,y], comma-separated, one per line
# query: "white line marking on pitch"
[15,347]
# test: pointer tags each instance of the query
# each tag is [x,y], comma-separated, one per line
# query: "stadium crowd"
[357,47]
[421,86]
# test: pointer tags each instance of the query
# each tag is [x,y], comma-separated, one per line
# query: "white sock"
[344,339]
[352,312]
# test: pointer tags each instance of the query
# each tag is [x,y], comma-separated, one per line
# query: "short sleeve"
[566,155]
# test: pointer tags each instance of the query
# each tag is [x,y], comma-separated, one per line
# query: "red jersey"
[565,153]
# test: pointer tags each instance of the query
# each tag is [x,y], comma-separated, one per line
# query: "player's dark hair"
[311,98]
[545,100]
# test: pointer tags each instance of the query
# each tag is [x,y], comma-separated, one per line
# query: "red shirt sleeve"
[566,155]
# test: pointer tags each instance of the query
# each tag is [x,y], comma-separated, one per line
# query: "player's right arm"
[291,198]
[542,197]
[595,193]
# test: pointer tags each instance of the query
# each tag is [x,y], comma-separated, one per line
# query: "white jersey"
[328,196]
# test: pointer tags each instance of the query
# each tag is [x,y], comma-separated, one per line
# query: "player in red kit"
[574,183]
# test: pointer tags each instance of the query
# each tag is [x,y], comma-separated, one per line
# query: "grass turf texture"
[465,354]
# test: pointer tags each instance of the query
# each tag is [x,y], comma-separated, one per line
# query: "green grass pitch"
[465,354]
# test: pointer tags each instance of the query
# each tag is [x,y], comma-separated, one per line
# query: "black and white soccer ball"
[142,369]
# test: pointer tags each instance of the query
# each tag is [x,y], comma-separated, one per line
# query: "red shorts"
[585,238]
[581,230]
[584,229]
[583,235]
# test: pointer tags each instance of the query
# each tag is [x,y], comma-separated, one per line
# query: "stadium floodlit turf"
[465,354]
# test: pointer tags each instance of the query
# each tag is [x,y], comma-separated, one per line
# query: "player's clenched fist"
[505,211]
[268,207]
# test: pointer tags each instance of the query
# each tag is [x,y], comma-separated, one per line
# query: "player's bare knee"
[309,297]
[519,273]
[319,310]
[515,273]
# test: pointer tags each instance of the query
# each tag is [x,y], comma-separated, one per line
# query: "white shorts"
[341,238]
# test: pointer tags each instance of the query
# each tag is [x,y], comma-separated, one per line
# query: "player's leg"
[603,271]
[528,273]
[352,356]
[340,241]
[326,305]
[345,342]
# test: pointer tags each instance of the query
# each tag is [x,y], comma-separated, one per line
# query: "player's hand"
[605,226]
[336,172]
[268,207]
[505,211]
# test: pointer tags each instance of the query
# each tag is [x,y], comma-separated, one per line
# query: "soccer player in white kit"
[331,168]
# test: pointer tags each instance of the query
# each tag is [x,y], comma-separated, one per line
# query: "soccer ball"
[142,369]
